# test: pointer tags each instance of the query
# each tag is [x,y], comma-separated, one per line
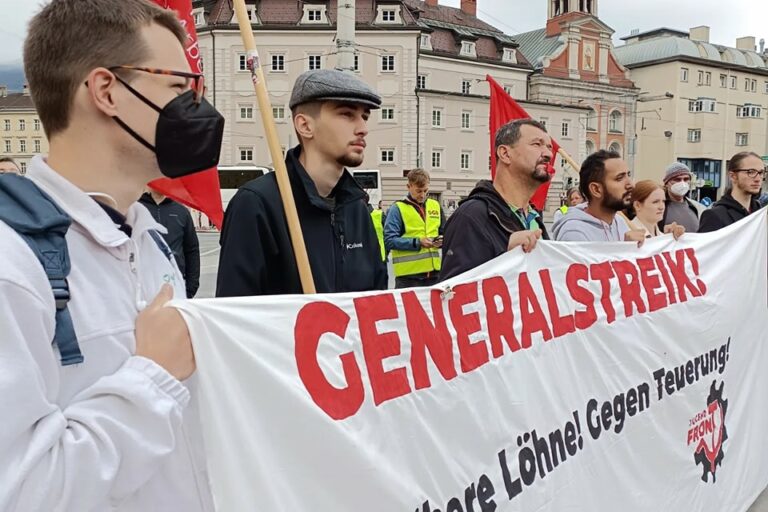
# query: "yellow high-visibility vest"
[378,225]
[408,263]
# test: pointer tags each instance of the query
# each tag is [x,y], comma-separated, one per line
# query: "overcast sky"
[729,19]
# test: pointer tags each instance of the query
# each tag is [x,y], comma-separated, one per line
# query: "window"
[7,146]
[314,15]
[733,82]
[22,125]
[246,112]
[742,139]
[356,63]
[753,86]
[466,86]
[543,121]
[437,158]
[614,122]
[694,135]
[765,87]
[421,82]
[387,114]
[615,147]
[23,167]
[242,62]
[37,125]
[707,78]
[425,42]
[465,163]
[746,84]
[387,156]
[7,125]
[315,62]
[437,118]
[278,63]
[388,15]
[37,146]
[748,110]
[683,74]
[592,120]
[701,78]
[723,81]
[278,113]
[198,17]
[466,119]
[22,146]
[701,105]
[510,89]
[246,154]
[388,63]
[565,130]
[510,55]
[590,147]
[467,49]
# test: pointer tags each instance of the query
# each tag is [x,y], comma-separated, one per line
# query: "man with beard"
[497,216]
[606,183]
[746,171]
[330,115]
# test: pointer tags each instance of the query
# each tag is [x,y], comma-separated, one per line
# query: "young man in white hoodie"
[118,431]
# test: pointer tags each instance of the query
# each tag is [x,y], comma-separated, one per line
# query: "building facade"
[427,61]
[21,134]
[702,102]
[575,64]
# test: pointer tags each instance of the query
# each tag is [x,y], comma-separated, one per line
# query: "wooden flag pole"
[284,184]
[565,156]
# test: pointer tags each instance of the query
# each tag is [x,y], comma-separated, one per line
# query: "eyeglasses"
[198,85]
[752,173]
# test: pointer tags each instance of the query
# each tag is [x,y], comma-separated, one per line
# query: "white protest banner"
[579,377]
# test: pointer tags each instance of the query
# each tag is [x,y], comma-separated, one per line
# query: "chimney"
[762,46]
[3,90]
[700,33]
[746,43]
[469,7]
[26,89]
[431,3]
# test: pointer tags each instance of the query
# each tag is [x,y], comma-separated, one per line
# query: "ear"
[635,205]
[304,126]
[596,190]
[502,154]
[101,84]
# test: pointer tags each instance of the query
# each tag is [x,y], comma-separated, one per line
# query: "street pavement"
[209,264]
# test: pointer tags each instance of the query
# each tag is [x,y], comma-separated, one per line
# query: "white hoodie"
[117,432]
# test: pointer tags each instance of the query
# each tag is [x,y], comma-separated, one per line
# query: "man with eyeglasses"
[746,172]
[115,426]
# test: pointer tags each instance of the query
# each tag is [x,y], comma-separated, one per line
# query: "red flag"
[503,110]
[201,190]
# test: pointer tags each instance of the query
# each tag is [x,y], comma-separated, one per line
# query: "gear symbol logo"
[708,433]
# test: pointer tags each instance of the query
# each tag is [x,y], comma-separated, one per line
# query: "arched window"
[614,122]
[592,120]
[615,146]
[590,147]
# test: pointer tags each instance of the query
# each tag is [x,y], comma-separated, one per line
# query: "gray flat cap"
[332,85]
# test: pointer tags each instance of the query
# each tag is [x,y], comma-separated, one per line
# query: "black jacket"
[256,253]
[181,238]
[479,230]
[725,212]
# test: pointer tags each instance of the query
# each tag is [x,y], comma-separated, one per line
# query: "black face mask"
[188,134]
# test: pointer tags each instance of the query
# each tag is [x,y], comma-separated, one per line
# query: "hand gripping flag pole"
[284,184]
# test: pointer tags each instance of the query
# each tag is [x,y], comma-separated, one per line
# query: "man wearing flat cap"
[679,207]
[330,114]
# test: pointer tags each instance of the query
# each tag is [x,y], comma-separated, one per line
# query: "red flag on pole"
[201,190]
[503,110]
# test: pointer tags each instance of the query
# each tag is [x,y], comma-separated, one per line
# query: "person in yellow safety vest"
[413,233]
[378,218]
[573,198]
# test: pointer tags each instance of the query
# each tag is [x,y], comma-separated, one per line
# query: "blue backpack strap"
[43,225]
[160,242]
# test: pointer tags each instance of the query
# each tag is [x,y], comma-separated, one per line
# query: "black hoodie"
[725,212]
[256,253]
[479,230]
